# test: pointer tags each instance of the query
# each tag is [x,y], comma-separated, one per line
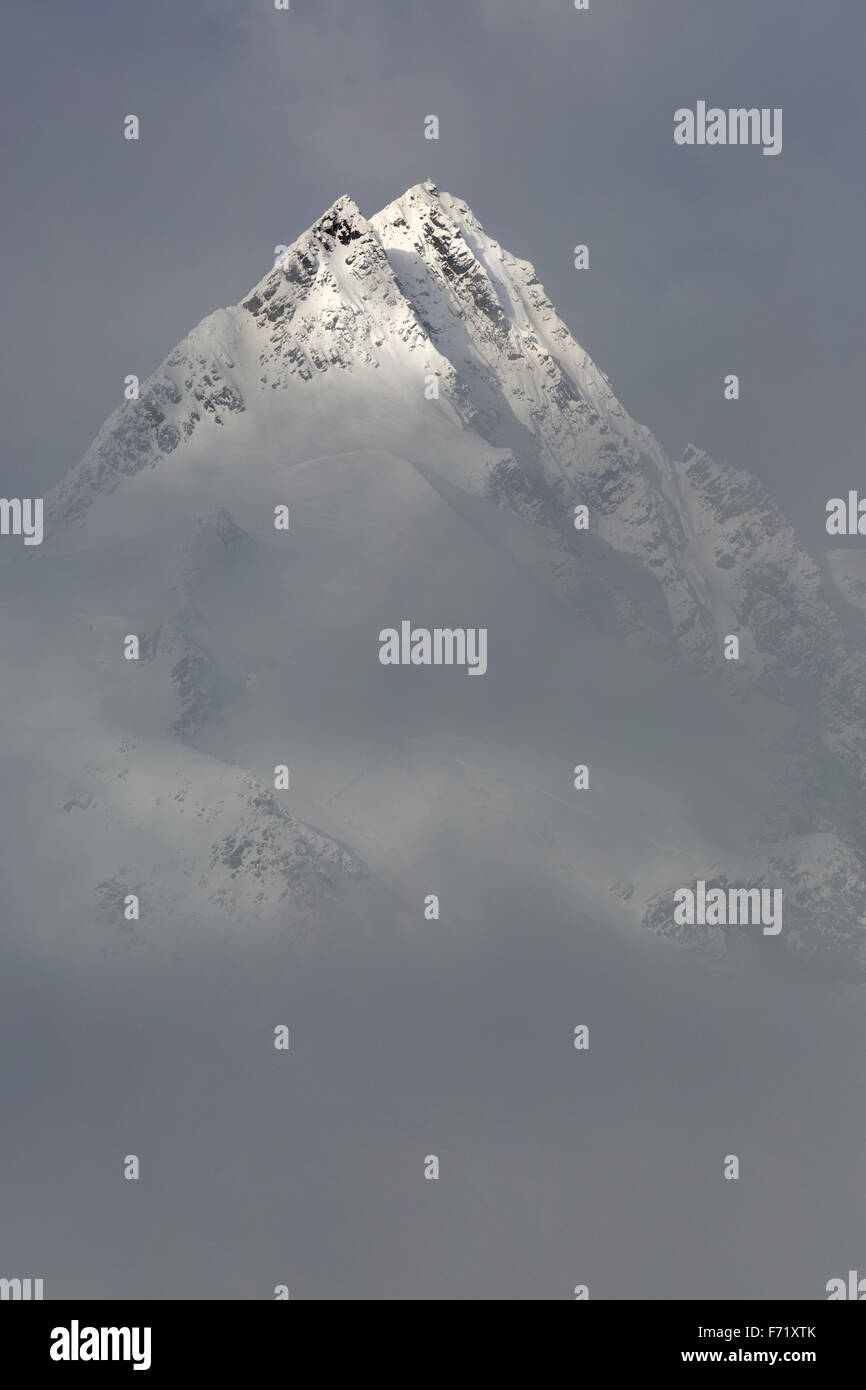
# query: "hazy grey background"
[557,1167]
[556,127]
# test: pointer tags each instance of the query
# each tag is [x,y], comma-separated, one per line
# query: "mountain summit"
[406,389]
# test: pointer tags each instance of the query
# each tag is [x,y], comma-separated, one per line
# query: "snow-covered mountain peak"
[405,384]
[343,222]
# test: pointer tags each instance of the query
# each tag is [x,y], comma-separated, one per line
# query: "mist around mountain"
[406,390]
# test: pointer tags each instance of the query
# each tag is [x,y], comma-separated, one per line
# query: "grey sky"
[556,126]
